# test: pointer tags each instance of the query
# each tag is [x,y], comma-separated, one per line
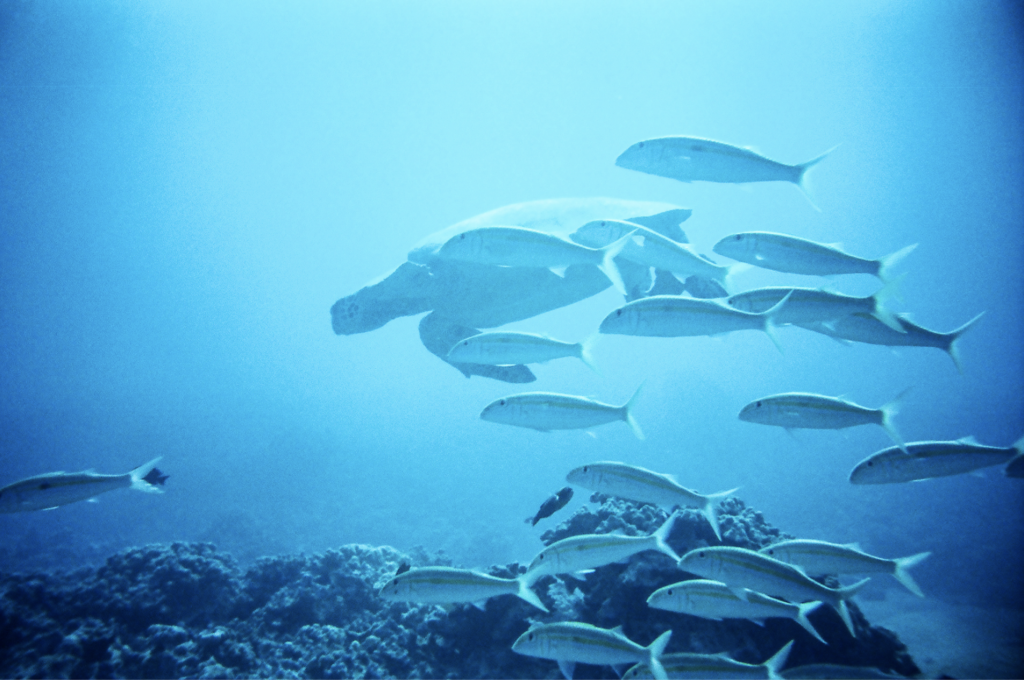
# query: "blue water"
[187,188]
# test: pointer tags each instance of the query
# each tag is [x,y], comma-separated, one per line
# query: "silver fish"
[54,489]
[800,410]
[742,568]
[925,460]
[645,486]
[581,554]
[572,642]
[690,159]
[546,411]
[866,328]
[447,585]
[520,247]
[672,316]
[783,253]
[713,667]
[815,305]
[508,348]
[819,558]
[715,600]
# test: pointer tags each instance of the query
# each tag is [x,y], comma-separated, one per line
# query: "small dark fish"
[155,477]
[552,505]
[402,568]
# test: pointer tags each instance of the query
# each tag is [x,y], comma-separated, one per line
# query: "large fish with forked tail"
[54,489]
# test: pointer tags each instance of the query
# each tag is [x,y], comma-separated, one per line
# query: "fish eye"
[758,404]
[465,342]
[44,486]
[462,236]
[771,551]
[739,237]
[618,312]
[502,402]
[870,463]
[585,468]
[700,554]
[530,637]
[670,592]
[640,145]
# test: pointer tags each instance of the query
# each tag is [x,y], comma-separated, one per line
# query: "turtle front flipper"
[440,335]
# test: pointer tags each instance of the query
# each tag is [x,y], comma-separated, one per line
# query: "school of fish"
[734,583]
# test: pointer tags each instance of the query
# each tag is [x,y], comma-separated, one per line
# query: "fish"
[819,558]
[742,568]
[583,553]
[866,328]
[651,249]
[713,667]
[572,642]
[639,484]
[553,504]
[715,600]
[448,585]
[793,255]
[690,159]
[1015,468]
[520,247]
[811,305]
[672,316]
[927,460]
[54,489]
[546,411]
[800,410]
[509,348]
[826,671]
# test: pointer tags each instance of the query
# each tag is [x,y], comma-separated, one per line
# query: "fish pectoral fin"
[581,575]
[558,271]
[93,500]
[620,669]
[759,622]
[741,593]
[481,605]
[567,667]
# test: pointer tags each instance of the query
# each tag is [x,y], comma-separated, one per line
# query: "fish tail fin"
[661,537]
[802,180]
[904,577]
[710,509]
[607,265]
[627,413]
[1019,445]
[655,650]
[889,411]
[801,618]
[527,594]
[886,293]
[778,660]
[139,474]
[844,595]
[954,335]
[586,352]
[769,316]
[889,261]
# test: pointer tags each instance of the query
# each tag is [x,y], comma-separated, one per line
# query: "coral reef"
[188,610]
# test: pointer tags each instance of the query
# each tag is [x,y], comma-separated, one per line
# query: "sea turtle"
[463,297]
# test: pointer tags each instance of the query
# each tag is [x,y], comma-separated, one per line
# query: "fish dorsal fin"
[853,546]
[671,478]
[481,605]
[639,239]
[969,439]
[618,630]
[558,271]
[838,245]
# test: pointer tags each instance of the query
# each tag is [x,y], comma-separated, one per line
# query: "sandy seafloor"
[952,640]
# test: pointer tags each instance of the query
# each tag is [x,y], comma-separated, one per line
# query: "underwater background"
[187,188]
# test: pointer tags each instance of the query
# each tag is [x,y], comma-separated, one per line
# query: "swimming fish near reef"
[742,568]
[672,316]
[866,328]
[519,247]
[447,585]
[715,600]
[815,305]
[508,348]
[583,553]
[546,411]
[553,504]
[832,671]
[690,159]
[651,249]
[925,460]
[800,410]
[572,642]
[645,486]
[819,558]
[713,667]
[54,489]
[793,255]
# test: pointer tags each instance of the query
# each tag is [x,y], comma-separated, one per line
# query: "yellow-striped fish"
[801,410]
[448,585]
[820,558]
[54,489]
[572,642]
[925,460]
[508,348]
[742,568]
[713,667]
[639,484]
[546,411]
[815,305]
